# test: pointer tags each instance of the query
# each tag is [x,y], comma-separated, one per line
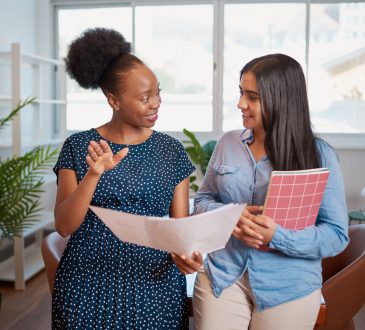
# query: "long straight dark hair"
[289,139]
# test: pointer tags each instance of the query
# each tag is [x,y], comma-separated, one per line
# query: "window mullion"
[133,27]
[307,38]
[218,50]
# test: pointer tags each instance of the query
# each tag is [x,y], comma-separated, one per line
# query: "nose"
[242,103]
[156,102]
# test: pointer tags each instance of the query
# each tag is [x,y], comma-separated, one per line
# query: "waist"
[274,277]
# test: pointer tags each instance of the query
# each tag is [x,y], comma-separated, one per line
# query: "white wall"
[27,22]
[18,23]
[353,168]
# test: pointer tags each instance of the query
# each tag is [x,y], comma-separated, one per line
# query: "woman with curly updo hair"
[102,282]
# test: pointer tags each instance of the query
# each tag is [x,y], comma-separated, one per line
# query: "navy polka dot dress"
[102,282]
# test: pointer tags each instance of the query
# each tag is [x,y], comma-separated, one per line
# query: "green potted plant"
[199,154]
[21,178]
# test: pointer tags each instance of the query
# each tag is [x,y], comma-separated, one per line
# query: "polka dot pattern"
[102,282]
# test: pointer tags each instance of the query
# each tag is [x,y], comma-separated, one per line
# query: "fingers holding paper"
[254,209]
[253,228]
[100,157]
[187,265]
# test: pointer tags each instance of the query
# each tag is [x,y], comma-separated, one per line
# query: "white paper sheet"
[204,232]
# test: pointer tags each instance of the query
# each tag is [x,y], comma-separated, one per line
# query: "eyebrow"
[248,91]
[148,91]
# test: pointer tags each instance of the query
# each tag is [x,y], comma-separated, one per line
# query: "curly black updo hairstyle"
[100,57]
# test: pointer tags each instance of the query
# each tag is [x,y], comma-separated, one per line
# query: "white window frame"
[353,141]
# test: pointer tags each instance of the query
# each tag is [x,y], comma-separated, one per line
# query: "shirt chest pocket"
[227,177]
[225,169]
[233,183]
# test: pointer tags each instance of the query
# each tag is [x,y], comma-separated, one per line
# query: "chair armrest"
[52,249]
[344,293]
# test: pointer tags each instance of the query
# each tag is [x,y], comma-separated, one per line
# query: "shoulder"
[326,153]
[167,141]
[173,153]
[231,140]
[235,135]
[79,141]
[228,149]
[325,150]
[80,137]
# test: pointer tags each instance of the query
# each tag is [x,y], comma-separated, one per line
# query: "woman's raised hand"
[253,228]
[100,157]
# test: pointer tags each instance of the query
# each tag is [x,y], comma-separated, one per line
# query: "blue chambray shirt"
[294,269]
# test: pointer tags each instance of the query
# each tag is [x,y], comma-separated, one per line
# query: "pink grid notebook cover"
[294,197]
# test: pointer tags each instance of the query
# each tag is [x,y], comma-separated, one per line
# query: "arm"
[330,234]
[207,198]
[73,199]
[180,208]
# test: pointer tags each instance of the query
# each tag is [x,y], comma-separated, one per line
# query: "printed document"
[205,232]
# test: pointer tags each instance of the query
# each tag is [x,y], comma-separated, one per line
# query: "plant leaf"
[14,112]
[21,180]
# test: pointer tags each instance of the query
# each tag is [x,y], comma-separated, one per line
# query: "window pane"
[252,30]
[86,108]
[337,67]
[176,42]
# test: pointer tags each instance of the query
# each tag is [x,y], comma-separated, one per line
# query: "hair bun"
[89,55]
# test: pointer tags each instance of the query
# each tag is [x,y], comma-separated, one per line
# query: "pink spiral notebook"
[294,197]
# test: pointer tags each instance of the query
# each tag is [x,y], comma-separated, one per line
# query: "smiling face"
[249,102]
[137,105]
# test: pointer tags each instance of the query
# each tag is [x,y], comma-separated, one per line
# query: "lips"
[152,117]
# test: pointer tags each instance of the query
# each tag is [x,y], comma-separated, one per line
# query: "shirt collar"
[247,136]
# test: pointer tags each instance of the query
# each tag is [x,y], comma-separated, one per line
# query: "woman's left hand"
[254,230]
[187,265]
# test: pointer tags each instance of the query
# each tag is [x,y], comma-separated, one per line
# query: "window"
[175,41]
[179,42]
[87,108]
[281,29]
[336,80]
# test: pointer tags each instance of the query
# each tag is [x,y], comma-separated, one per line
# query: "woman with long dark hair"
[244,286]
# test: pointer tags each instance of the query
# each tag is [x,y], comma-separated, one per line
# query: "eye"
[158,91]
[253,97]
[146,99]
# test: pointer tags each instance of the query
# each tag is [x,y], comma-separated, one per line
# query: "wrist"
[92,175]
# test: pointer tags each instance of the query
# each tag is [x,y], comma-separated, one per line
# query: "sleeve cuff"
[279,240]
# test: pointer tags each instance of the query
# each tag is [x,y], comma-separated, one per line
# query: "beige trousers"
[235,309]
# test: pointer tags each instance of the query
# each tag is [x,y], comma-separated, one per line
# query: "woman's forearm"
[70,213]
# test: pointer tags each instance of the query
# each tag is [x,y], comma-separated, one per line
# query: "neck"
[259,136]
[257,147]
[124,134]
